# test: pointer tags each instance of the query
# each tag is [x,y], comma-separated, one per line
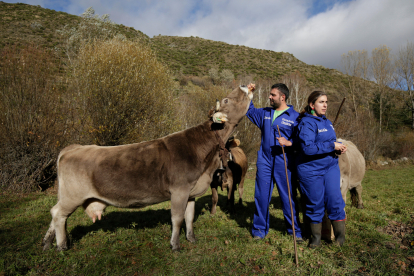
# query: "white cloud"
[358,25]
[282,25]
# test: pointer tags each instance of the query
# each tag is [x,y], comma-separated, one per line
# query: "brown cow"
[234,174]
[178,167]
[352,166]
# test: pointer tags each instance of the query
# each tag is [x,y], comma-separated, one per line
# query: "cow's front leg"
[230,189]
[214,200]
[178,208]
[189,218]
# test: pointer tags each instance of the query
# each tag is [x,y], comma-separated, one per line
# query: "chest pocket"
[285,130]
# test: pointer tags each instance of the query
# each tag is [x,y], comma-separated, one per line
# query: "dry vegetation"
[68,79]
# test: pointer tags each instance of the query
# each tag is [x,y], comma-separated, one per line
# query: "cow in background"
[352,166]
[178,167]
[233,176]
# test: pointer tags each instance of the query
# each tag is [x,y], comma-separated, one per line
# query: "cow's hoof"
[176,250]
[46,246]
[191,239]
[61,248]
[360,206]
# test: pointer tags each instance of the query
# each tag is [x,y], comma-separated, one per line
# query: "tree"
[91,27]
[355,66]
[226,76]
[382,72]
[404,65]
[298,89]
[214,75]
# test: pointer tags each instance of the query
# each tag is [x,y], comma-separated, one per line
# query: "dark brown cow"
[232,178]
[178,167]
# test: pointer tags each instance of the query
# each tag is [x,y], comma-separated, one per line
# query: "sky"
[316,32]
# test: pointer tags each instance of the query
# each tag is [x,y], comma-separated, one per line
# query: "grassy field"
[380,238]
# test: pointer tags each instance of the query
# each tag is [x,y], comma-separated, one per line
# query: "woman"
[318,170]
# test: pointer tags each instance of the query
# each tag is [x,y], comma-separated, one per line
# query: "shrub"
[125,94]
[196,102]
[91,27]
[31,123]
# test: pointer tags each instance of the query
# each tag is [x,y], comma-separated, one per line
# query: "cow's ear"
[234,143]
[219,118]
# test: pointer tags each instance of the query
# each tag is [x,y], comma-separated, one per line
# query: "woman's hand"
[341,147]
[284,142]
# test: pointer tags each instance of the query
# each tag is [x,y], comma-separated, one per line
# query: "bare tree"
[298,89]
[355,66]
[382,72]
[404,67]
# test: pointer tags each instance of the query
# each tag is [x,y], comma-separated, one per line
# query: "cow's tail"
[59,180]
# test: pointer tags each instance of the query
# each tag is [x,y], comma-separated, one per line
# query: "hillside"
[22,24]
[195,56]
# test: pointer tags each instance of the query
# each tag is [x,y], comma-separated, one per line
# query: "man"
[270,163]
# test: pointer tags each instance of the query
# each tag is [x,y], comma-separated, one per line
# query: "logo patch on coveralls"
[322,130]
[267,118]
[287,122]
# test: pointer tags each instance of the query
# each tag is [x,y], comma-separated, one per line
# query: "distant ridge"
[22,24]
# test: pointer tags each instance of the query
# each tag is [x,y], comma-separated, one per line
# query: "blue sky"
[316,32]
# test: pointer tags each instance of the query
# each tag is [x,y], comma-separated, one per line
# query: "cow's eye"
[226,101]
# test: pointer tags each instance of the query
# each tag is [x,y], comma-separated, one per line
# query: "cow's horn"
[217,105]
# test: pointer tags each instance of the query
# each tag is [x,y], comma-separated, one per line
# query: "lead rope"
[223,153]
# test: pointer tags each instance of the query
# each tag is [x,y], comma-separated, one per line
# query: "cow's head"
[232,108]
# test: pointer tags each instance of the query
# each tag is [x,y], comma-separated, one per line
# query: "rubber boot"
[316,230]
[339,231]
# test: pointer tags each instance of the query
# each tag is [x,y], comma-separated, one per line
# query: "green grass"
[128,242]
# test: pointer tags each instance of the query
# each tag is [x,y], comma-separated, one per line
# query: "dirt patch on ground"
[403,234]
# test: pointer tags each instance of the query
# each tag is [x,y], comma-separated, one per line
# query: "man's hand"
[284,142]
[251,87]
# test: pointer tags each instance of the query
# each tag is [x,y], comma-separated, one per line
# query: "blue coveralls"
[318,169]
[271,167]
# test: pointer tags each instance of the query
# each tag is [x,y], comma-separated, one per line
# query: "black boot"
[316,230]
[339,231]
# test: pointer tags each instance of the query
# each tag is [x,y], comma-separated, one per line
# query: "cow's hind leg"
[189,218]
[178,207]
[344,187]
[356,196]
[49,237]
[57,228]
[230,197]
[241,190]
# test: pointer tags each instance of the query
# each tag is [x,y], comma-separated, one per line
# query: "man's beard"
[275,105]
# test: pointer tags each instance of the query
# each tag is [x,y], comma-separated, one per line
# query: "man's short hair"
[282,88]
